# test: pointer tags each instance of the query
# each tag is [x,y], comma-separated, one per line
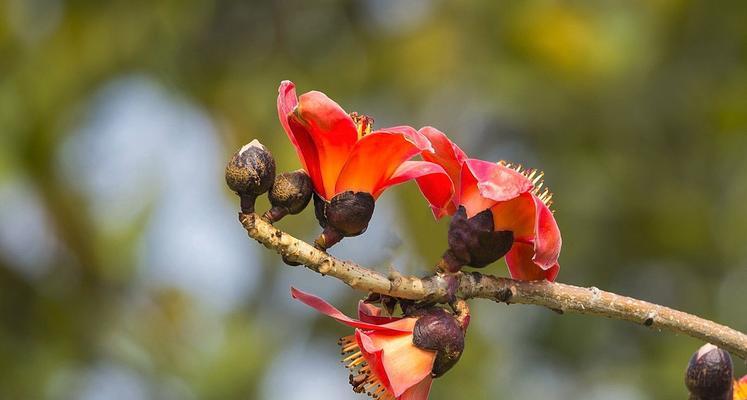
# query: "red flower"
[513,197]
[339,151]
[381,356]
[740,389]
[349,165]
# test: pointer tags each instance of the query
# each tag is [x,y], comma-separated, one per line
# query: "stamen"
[352,356]
[362,379]
[363,123]
[536,177]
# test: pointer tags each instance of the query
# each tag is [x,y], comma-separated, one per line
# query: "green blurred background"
[125,275]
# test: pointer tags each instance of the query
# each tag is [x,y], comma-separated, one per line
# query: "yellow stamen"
[536,177]
[362,378]
[352,356]
[363,124]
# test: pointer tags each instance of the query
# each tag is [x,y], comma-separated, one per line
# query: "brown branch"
[555,296]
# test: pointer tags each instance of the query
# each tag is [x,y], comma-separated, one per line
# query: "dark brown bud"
[346,215]
[709,374]
[473,242]
[439,331]
[250,173]
[290,194]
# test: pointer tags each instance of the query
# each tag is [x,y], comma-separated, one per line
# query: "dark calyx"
[709,374]
[290,194]
[346,215]
[250,173]
[439,331]
[473,242]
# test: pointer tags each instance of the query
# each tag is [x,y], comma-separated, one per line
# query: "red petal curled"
[376,156]
[299,135]
[322,132]
[537,240]
[396,327]
[446,153]
[483,184]
[433,181]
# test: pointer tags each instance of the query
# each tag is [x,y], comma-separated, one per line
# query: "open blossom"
[380,354]
[518,207]
[349,164]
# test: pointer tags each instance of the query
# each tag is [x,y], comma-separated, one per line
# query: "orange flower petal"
[434,183]
[375,158]
[322,132]
[403,364]
[522,266]
[419,391]
[518,215]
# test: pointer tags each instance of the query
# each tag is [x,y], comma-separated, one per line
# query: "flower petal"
[404,365]
[534,226]
[547,241]
[400,326]
[446,153]
[496,181]
[434,183]
[376,156]
[419,391]
[522,267]
[518,215]
[299,135]
[322,132]
[371,314]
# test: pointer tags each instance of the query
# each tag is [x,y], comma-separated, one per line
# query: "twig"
[555,296]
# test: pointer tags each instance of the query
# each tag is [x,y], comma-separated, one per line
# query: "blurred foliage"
[637,111]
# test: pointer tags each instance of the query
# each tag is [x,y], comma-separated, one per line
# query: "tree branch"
[555,296]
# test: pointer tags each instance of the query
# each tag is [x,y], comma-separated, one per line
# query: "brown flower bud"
[439,331]
[709,374]
[473,242]
[290,194]
[346,215]
[250,173]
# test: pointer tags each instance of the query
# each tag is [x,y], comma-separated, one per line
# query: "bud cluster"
[251,173]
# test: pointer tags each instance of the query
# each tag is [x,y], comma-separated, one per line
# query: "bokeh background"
[125,275]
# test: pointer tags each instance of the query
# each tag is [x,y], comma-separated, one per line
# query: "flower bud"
[290,194]
[439,331]
[250,173]
[473,242]
[347,214]
[709,374]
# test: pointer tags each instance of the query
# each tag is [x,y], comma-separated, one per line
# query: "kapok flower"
[740,389]
[498,209]
[381,355]
[349,164]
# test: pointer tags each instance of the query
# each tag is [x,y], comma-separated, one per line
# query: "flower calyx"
[473,242]
[440,331]
[346,214]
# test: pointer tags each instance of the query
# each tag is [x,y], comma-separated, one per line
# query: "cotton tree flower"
[349,163]
[394,357]
[497,209]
